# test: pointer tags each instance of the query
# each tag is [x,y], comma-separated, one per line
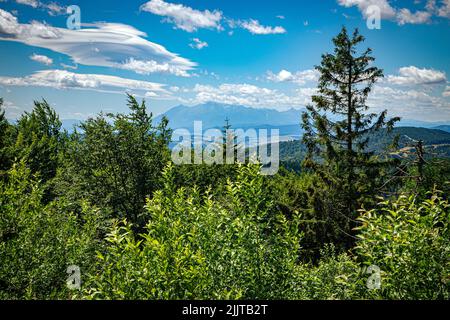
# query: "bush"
[410,243]
[38,242]
[196,247]
[335,277]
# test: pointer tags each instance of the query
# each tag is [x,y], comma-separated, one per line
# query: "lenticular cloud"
[97,44]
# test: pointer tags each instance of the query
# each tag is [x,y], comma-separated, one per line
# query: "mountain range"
[214,115]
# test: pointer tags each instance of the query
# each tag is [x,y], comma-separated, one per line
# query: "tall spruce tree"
[338,125]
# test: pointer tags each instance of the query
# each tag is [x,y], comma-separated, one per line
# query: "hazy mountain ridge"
[213,115]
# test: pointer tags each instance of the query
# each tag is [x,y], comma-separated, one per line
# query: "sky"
[255,53]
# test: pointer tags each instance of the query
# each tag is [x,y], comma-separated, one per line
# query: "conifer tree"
[338,124]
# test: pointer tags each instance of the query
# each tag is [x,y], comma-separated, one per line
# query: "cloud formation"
[299,77]
[446,92]
[41,59]
[387,12]
[63,79]
[409,104]
[52,8]
[416,76]
[251,95]
[254,27]
[198,44]
[99,44]
[191,20]
[401,15]
[184,17]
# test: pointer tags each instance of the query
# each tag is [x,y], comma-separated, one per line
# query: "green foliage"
[204,176]
[436,175]
[410,243]
[196,247]
[335,277]
[38,242]
[39,140]
[116,162]
[320,209]
[7,132]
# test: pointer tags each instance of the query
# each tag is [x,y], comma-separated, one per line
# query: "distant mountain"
[408,136]
[445,128]
[422,124]
[436,142]
[213,115]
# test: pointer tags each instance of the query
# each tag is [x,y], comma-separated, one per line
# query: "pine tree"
[338,125]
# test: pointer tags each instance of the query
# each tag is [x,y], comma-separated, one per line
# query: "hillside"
[436,142]
[445,128]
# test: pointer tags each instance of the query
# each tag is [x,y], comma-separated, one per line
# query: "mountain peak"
[213,115]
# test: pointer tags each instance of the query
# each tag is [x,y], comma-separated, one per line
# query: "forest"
[102,212]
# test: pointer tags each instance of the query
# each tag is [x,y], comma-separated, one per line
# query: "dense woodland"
[107,198]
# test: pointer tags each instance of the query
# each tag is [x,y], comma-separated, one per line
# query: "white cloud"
[405,16]
[67,66]
[8,23]
[444,10]
[184,17]
[31,3]
[99,44]
[418,103]
[41,59]
[409,104]
[63,79]
[190,20]
[414,76]
[387,12]
[300,77]
[255,27]
[401,15]
[198,44]
[446,92]
[151,66]
[252,96]
[52,8]
[281,76]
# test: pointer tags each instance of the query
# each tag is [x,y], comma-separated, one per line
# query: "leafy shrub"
[410,243]
[196,247]
[335,277]
[38,242]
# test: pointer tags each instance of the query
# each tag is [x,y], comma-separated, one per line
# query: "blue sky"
[256,53]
